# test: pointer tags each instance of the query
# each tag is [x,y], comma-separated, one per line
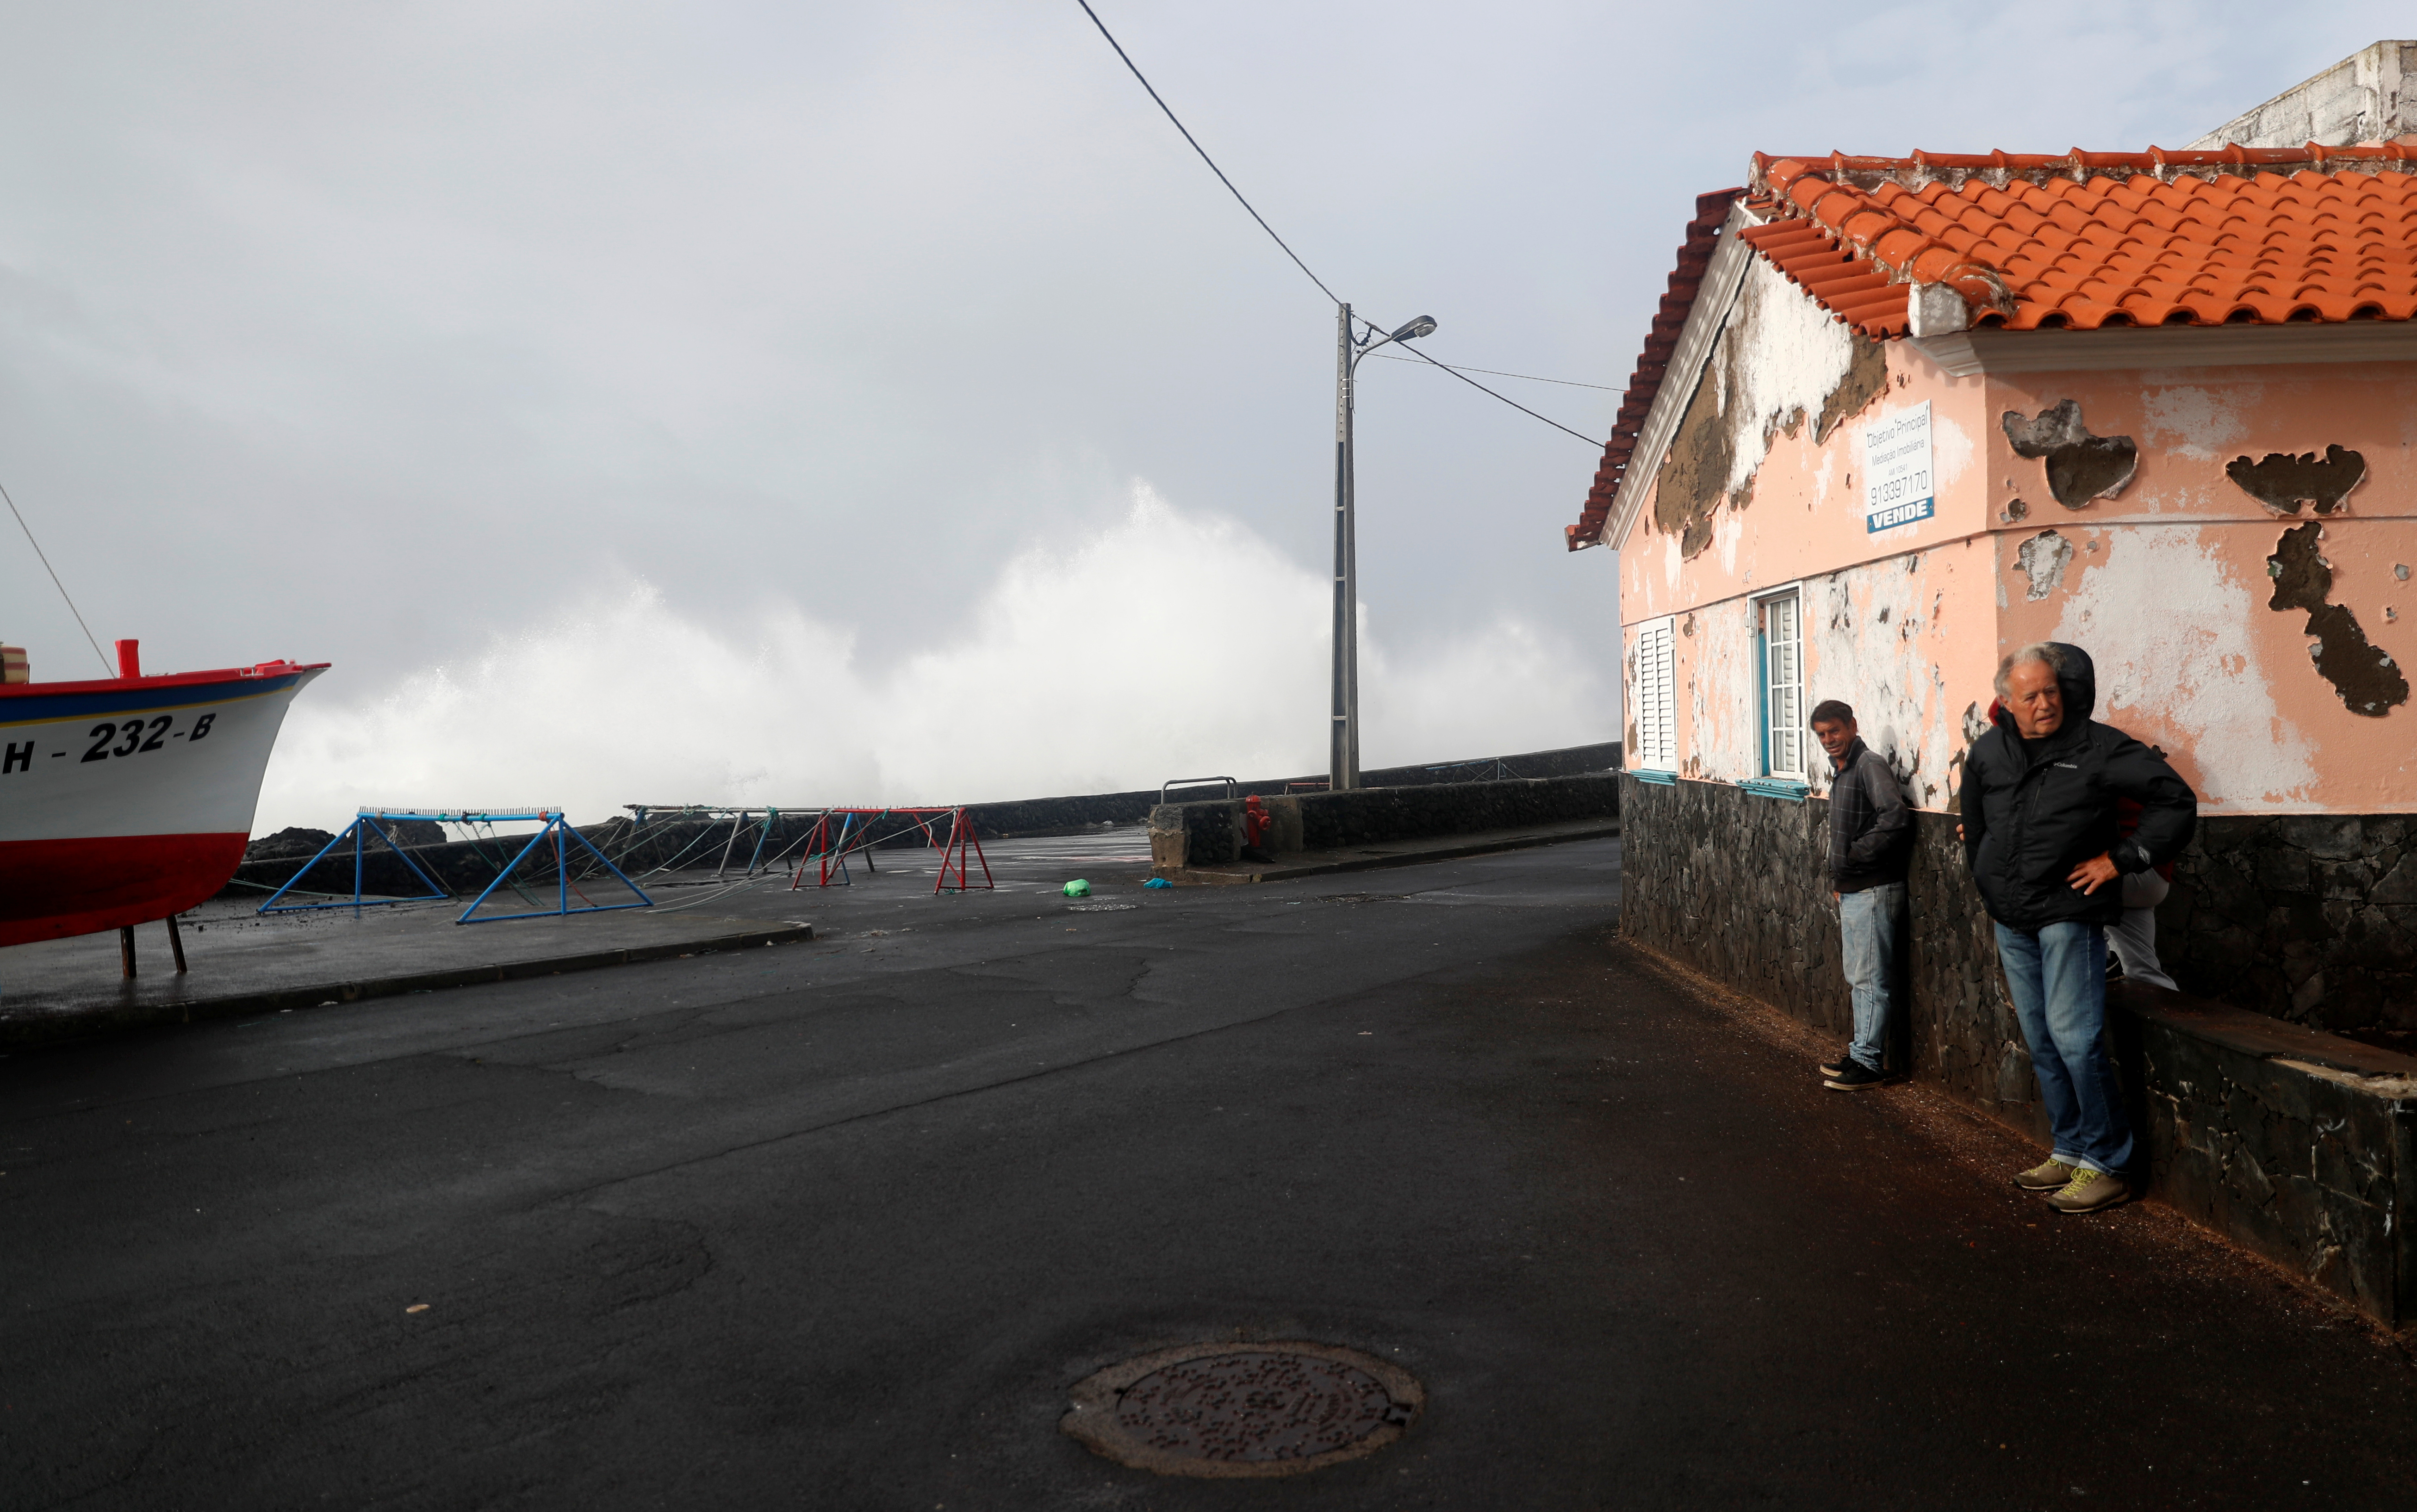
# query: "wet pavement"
[838,1224]
[241,960]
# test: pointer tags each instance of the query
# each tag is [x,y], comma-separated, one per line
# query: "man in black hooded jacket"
[2040,837]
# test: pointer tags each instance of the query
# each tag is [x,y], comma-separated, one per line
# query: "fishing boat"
[130,798]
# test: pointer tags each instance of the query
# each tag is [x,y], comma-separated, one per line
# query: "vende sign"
[1896,470]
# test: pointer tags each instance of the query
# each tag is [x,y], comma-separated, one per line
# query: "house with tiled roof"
[1897,416]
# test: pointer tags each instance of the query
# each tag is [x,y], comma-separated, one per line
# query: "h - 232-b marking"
[110,737]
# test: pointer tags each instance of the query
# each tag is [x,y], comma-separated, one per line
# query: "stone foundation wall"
[2293,1141]
[2309,918]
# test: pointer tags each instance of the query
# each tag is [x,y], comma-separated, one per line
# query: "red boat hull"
[49,889]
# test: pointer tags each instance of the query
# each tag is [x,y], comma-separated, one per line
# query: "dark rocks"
[296,842]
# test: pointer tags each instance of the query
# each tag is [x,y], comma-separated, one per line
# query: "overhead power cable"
[1504,398]
[106,669]
[1204,152]
[1179,125]
[1496,372]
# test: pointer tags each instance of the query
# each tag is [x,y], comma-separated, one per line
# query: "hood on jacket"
[2077,682]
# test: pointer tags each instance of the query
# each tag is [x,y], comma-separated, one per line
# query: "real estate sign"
[1896,469]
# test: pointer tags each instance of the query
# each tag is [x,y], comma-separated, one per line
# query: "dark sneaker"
[1853,1076]
[2088,1191]
[1837,1064]
[2048,1176]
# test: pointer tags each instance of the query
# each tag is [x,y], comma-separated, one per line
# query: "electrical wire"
[105,667]
[1202,151]
[1504,398]
[1566,383]
[1170,115]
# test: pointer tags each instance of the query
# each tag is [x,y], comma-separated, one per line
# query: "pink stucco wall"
[2167,585]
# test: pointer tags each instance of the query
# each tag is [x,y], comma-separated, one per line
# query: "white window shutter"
[1656,696]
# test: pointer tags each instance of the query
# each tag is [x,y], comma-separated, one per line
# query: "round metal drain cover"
[1230,1410]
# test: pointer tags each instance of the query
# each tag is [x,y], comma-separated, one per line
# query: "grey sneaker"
[2047,1177]
[2088,1191]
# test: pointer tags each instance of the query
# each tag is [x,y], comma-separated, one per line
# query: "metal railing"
[1232,787]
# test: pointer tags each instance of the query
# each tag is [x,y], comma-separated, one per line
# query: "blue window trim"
[1786,789]
[1654,775]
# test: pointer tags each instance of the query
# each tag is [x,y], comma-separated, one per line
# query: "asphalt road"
[837,1225]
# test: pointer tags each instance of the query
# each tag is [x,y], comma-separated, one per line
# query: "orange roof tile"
[2245,235]
[2253,236]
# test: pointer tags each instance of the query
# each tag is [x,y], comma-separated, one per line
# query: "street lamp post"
[1342,748]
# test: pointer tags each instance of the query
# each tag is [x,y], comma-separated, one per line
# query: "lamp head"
[1423,325]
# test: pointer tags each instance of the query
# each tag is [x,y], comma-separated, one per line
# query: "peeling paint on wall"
[2080,466]
[2197,422]
[2368,679]
[1780,358]
[1872,638]
[2043,558]
[2281,481]
[1722,738]
[1866,377]
[1694,471]
[2169,621]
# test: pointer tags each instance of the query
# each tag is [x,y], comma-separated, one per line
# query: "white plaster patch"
[2043,559]
[2168,622]
[1728,531]
[1717,664]
[1951,451]
[1872,638]
[2199,423]
[1792,354]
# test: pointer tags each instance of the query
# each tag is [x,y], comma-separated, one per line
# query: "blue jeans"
[1867,929]
[2057,975]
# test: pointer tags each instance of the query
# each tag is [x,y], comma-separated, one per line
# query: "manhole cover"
[1227,1409]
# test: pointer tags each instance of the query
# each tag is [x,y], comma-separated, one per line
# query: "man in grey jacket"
[1871,835]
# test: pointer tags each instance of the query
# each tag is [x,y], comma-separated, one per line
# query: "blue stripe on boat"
[40,708]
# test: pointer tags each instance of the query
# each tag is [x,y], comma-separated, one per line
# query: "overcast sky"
[742,380]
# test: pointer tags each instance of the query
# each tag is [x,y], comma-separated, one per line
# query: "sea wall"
[676,841]
[2290,1139]
[1209,832]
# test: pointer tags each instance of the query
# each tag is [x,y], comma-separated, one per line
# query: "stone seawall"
[2295,1142]
[669,839]
[1210,833]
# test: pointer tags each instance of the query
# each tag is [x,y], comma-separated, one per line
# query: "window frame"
[1758,604]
